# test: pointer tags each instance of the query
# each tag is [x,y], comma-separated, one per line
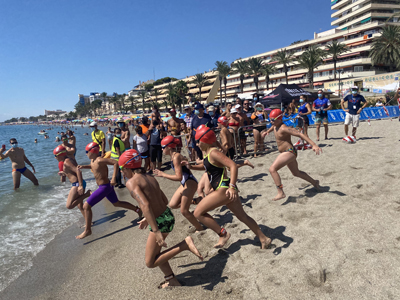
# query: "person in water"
[70,169]
[183,196]
[225,190]
[153,203]
[99,167]
[18,159]
[288,153]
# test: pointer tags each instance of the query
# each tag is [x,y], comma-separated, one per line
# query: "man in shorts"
[353,110]
[244,121]
[156,134]
[99,167]
[18,159]
[321,106]
[99,138]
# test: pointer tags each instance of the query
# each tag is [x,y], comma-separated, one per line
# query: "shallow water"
[32,216]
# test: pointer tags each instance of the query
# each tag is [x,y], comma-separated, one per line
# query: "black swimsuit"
[216,175]
[186,174]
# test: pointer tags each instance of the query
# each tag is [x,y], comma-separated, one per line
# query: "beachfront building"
[357,23]
[54,112]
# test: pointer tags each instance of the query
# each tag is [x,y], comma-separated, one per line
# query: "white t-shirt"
[141,143]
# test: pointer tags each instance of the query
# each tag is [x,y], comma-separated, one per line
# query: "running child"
[70,169]
[225,190]
[99,168]
[153,202]
[183,196]
[18,159]
[288,156]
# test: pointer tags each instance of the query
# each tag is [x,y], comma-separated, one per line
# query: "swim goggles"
[274,119]
[64,151]
[164,146]
[87,151]
[128,161]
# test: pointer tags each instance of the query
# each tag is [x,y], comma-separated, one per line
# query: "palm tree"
[240,67]
[255,68]
[220,67]
[336,49]
[267,71]
[155,93]
[284,57]
[143,95]
[181,90]
[122,100]
[311,59]
[386,48]
[200,80]
[114,101]
[171,94]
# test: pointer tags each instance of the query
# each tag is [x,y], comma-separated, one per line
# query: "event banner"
[338,116]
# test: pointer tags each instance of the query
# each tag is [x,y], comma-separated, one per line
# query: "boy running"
[18,159]
[99,168]
[153,202]
[288,156]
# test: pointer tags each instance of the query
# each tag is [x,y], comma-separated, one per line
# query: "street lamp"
[340,72]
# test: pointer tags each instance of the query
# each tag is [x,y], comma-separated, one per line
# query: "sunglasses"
[14,143]
[198,141]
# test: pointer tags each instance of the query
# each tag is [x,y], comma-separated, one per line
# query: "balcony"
[338,14]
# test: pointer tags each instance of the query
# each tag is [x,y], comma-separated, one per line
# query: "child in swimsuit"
[259,118]
[225,190]
[99,167]
[288,156]
[183,196]
[146,190]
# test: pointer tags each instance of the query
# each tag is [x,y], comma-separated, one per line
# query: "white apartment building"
[356,22]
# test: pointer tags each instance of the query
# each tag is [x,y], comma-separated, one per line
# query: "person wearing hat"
[125,133]
[353,110]
[214,116]
[199,118]
[99,138]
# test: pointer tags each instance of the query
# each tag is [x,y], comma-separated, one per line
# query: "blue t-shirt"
[196,122]
[322,103]
[354,103]
[155,137]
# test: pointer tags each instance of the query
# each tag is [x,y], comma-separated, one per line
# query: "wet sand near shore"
[341,243]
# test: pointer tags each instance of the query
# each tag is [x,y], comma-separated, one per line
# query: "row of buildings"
[356,23]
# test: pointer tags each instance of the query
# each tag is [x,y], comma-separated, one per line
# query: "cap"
[93,124]
[186,107]
[199,106]
[172,110]
[223,120]
[233,110]
[130,159]
[211,108]
[169,141]
[276,114]
[355,87]
[60,151]
[205,135]
[92,147]
[238,106]
[258,103]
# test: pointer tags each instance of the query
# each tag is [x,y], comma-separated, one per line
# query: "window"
[325,73]
[358,68]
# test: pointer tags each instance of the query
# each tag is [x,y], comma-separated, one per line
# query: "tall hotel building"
[356,22]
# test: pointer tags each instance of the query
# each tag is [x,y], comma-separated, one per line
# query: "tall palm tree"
[155,93]
[200,81]
[143,94]
[284,58]
[171,94]
[336,49]
[240,67]
[255,68]
[122,101]
[267,71]
[225,72]
[220,67]
[386,48]
[181,89]
[311,59]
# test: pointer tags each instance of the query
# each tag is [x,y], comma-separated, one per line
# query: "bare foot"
[316,185]
[222,240]
[192,247]
[280,195]
[170,283]
[247,163]
[84,225]
[83,235]
[255,155]
[317,139]
[265,243]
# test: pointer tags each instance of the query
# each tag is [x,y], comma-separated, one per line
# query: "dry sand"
[341,243]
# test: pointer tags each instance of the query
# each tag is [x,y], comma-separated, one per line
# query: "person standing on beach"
[174,125]
[155,115]
[99,138]
[288,153]
[110,137]
[153,203]
[183,196]
[18,159]
[199,118]
[125,133]
[99,167]
[321,106]
[70,169]
[225,190]
[397,97]
[353,110]
[156,134]
[71,138]
[304,111]
[118,147]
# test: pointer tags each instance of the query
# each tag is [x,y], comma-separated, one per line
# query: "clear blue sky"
[51,51]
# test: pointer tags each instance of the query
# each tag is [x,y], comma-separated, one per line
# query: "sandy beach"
[340,243]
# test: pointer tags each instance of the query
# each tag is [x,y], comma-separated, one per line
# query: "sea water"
[33,215]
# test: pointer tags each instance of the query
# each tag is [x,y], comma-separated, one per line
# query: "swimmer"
[99,168]
[70,169]
[35,140]
[71,138]
[153,202]
[18,159]
[225,190]
[288,156]
[57,139]
[183,196]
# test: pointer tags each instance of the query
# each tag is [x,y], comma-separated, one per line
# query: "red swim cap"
[93,147]
[223,120]
[205,135]
[130,159]
[169,141]
[276,114]
[60,151]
